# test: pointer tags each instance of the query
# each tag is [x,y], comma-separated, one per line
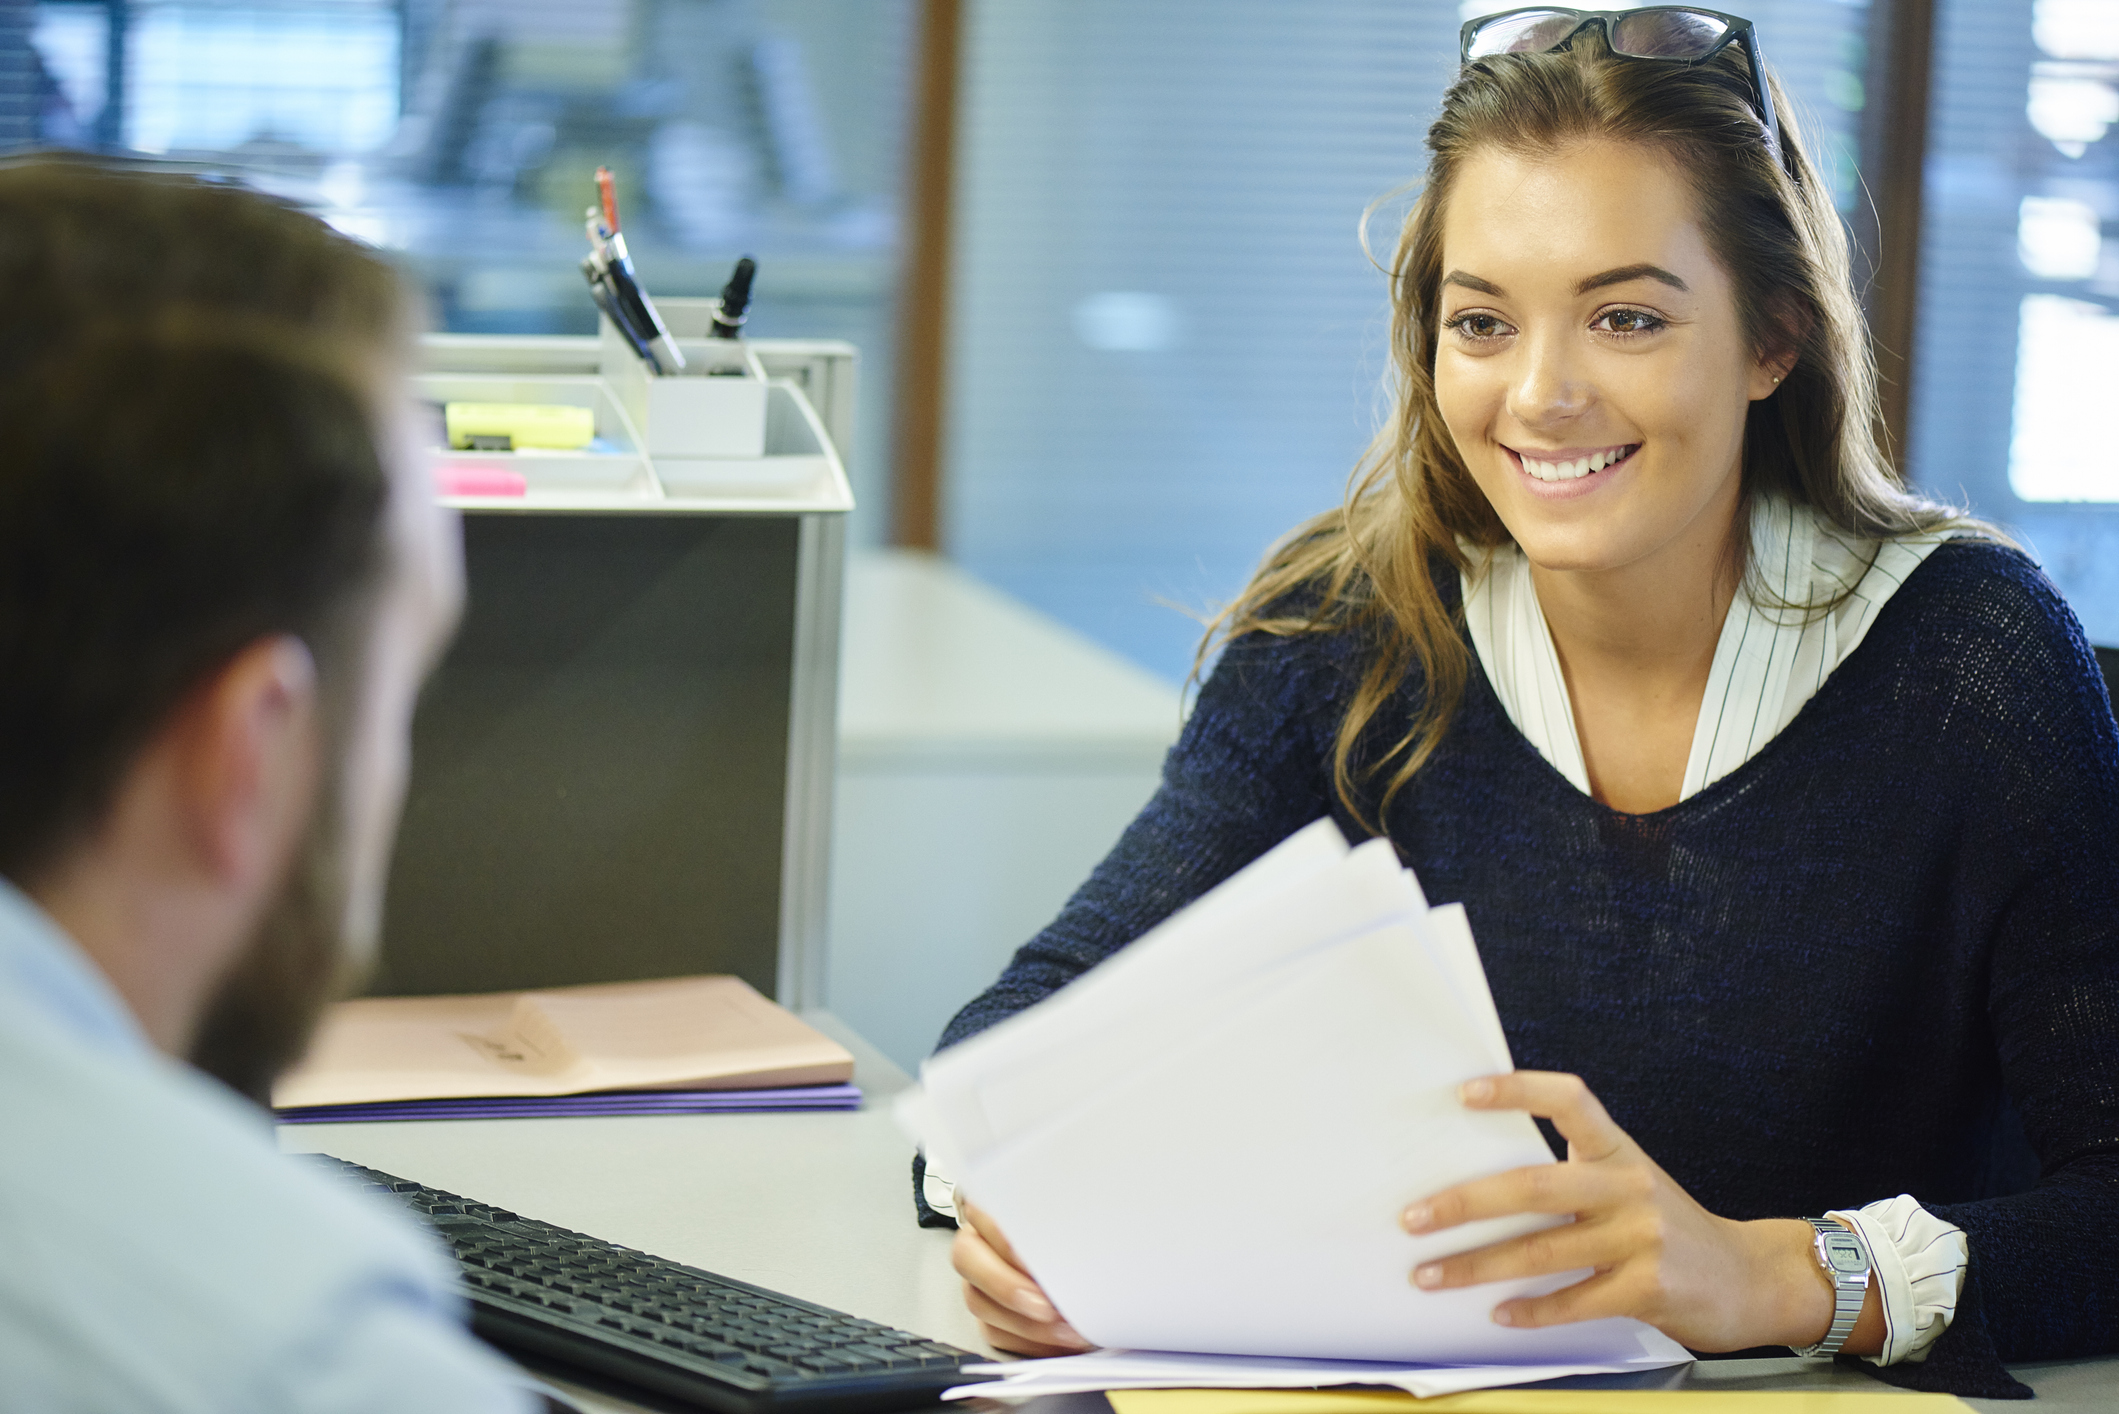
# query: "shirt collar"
[48,971]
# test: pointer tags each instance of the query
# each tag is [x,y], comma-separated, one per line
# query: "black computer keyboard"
[578,1301]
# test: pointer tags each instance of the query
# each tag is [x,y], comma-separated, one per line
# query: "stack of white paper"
[1204,1144]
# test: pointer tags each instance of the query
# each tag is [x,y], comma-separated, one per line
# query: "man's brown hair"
[191,376]
[187,398]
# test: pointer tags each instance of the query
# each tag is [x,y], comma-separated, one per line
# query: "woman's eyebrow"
[1630,272]
[1473,282]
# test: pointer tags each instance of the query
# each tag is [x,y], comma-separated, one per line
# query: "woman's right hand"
[1012,1310]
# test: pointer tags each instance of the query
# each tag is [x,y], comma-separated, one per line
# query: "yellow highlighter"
[508,427]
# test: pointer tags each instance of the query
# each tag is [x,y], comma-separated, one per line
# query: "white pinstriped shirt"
[1772,657]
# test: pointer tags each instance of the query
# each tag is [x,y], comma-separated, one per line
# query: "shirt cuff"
[940,1194]
[1918,1263]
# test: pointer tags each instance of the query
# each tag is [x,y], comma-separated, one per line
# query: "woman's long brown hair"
[1371,564]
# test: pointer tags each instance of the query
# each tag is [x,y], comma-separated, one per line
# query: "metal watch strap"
[1849,1275]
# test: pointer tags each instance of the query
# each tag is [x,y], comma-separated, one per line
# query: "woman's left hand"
[1708,1282]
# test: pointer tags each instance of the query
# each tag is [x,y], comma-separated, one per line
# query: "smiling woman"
[1782,801]
[1598,401]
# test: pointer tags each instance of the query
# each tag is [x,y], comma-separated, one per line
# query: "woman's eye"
[1477,326]
[1628,321]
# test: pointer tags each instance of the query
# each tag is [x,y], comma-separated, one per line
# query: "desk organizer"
[738,429]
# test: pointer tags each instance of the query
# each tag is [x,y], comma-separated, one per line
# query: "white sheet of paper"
[1155,1369]
[1259,1205]
[1204,1143]
[1449,938]
[943,1114]
[1134,1023]
[1310,850]
[1097,1028]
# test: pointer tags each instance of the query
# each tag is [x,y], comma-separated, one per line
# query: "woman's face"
[1589,365]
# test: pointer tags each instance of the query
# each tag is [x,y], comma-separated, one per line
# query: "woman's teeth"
[1579,467]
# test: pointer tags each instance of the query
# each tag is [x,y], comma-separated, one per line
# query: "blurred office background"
[1103,260]
[1161,338]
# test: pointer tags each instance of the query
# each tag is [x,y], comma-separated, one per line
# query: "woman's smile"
[1568,471]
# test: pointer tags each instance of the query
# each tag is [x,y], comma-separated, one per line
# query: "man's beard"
[260,1018]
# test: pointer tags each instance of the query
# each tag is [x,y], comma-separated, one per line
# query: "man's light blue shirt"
[158,1253]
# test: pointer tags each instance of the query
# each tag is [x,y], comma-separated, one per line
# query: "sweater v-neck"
[1773,651]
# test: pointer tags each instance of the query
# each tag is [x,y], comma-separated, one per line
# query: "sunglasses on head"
[1677,34]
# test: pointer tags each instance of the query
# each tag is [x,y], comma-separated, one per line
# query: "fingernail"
[1033,1303]
[1418,1217]
[1473,1090]
[1067,1332]
[1429,1275]
[1503,1316]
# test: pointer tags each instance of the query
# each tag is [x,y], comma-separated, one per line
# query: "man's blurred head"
[209,465]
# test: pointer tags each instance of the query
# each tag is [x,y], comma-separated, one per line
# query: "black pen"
[735,301]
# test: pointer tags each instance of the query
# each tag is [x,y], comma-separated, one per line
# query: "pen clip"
[600,290]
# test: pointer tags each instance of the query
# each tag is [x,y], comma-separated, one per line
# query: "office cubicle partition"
[623,766]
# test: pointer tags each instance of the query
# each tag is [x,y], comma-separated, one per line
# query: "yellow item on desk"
[505,427]
[1535,1401]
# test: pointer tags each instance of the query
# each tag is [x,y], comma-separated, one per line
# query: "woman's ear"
[1788,324]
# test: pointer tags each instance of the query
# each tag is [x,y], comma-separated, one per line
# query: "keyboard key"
[874,1354]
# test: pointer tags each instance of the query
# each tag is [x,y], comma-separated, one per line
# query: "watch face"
[1844,1253]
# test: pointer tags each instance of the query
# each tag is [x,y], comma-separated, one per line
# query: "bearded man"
[222,579]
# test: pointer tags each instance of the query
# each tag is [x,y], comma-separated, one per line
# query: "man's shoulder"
[157,1240]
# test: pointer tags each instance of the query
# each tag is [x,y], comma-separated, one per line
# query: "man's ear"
[245,744]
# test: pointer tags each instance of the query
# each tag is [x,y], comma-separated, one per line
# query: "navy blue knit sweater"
[1875,959]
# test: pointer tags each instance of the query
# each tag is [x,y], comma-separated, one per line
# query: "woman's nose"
[1549,387]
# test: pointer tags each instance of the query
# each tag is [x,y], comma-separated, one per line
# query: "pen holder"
[714,408]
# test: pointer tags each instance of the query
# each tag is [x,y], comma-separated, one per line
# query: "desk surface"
[818,1206]
[942,667]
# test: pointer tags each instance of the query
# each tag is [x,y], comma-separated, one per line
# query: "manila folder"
[679,1033]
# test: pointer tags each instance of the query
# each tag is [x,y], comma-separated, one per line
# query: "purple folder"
[609,1102]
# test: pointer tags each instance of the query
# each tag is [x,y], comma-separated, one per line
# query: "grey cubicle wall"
[622,767]
[600,783]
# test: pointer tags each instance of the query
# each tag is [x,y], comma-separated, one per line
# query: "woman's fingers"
[1615,1293]
[1012,1311]
[983,1224]
[1006,1329]
[1595,1243]
[1564,1099]
[1558,1189]
[1007,1285]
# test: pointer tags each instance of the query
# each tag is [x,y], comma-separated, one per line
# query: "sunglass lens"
[1526,32]
[1666,34]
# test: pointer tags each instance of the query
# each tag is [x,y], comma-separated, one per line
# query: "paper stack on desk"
[1204,1144]
[677,1045]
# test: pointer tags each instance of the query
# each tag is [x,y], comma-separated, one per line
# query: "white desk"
[819,1206]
